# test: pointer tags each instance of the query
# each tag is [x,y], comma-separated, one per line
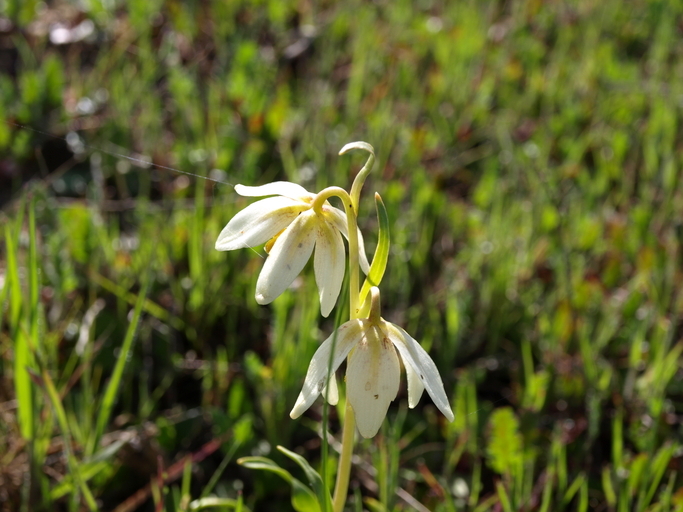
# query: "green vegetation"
[529,157]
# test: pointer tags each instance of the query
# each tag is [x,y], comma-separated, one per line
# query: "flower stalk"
[352,227]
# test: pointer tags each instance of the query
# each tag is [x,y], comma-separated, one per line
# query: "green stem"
[350,202]
[341,487]
[352,226]
[363,173]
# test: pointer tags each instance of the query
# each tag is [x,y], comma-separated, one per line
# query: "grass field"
[530,158]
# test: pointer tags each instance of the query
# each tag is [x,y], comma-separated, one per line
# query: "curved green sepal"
[303,499]
[379,260]
[314,479]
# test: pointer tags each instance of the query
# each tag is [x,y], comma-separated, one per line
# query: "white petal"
[333,395]
[287,258]
[329,262]
[415,387]
[277,188]
[338,220]
[414,355]
[372,379]
[343,339]
[258,223]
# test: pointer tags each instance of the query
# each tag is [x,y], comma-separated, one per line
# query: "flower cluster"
[294,224]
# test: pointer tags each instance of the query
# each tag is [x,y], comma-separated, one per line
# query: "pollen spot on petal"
[386,342]
[376,397]
[321,386]
[300,245]
[422,377]
[368,386]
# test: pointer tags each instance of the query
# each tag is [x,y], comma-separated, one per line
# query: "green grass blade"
[149,306]
[657,469]
[573,488]
[608,488]
[12,284]
[22,352]
[74,468]
[221,467]
[88,469]
[111,392]
[503,497]
[33,280]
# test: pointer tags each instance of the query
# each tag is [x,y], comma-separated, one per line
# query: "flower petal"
[333,395]
[343,340]
[287,258]
[372,380]
[415,387]
[414,355]
[259,222]
[338,219]
[329,263]
[277,188]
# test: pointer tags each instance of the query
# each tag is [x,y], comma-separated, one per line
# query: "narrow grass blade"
[221,467]
[22,351]
[33,278]
[111,392]
[149,306]
[503,497]
[573,488]
[88,469]
[74,468]
[657,468]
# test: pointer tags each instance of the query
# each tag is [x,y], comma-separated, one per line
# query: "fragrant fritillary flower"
[294,228]
[373,371]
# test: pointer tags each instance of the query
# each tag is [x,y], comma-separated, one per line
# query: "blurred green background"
[529,155]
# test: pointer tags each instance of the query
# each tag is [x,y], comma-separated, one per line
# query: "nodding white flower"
[292,228]
[372,373]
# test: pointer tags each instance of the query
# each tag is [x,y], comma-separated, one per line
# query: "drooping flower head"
[294,227]
[373,370]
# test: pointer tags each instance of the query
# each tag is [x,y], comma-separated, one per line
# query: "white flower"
[289,219]
[372,374]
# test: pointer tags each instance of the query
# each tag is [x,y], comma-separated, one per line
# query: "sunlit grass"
[529,160]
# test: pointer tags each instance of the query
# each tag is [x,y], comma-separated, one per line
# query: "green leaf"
[379,260]
[303,499]
[215,502]
[314,479]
